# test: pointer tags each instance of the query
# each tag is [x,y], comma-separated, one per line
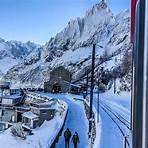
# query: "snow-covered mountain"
[95,26]
[13,52]
[72,47]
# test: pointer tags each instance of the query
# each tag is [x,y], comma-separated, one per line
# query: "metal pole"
[92,88]
[145,85]
[87,84]
[114,85]
[98,98]
[125,141]
[132,89]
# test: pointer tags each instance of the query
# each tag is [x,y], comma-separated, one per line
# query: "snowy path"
[109,133]
[76,120]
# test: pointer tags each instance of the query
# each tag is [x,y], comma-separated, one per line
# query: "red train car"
[139,39]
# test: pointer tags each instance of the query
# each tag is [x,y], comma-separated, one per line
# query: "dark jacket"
[67,134]
[75,138]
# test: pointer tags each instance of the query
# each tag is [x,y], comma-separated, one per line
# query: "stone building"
[39,112]
[4,88]
[60,79]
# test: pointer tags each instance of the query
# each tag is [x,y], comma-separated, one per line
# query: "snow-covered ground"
[42,136]
[109,125]
[112,124]
[7,63]
[76,120]
[108,132]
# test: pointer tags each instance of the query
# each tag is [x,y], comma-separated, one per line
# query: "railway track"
[122,124]
[118,116]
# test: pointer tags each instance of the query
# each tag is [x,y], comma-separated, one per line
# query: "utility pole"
[92,88]
[98,97]
[125,142]
[98,102]
[114,85]
[87,84]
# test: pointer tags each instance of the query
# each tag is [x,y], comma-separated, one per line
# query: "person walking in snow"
[75,139]
[67,136]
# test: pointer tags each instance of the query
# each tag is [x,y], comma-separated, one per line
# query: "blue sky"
[38,20]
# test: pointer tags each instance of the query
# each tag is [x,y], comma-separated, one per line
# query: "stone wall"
[58,77]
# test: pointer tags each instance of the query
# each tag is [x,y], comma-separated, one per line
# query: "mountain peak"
[2,40]
[97,7]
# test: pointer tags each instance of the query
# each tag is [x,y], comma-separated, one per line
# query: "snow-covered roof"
[16,96]
[46,105]
[4,84]
[30,115]
[14,87]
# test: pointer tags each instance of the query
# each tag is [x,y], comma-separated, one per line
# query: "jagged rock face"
[33,57]
[72,47]
[82,32]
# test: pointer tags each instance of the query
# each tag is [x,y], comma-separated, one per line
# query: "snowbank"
[43,136]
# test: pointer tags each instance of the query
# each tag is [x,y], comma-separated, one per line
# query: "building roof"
[30,115]
[45,105]
[4,84]
[16,96]
[14,87]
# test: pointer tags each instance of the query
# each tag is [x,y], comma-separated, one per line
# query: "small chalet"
[30,120]
[38,113]
[9,100]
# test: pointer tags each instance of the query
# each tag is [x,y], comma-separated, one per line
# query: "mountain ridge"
[13,52]
[71,47]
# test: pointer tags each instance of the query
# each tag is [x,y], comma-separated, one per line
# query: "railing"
[6,106]
[22,109]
